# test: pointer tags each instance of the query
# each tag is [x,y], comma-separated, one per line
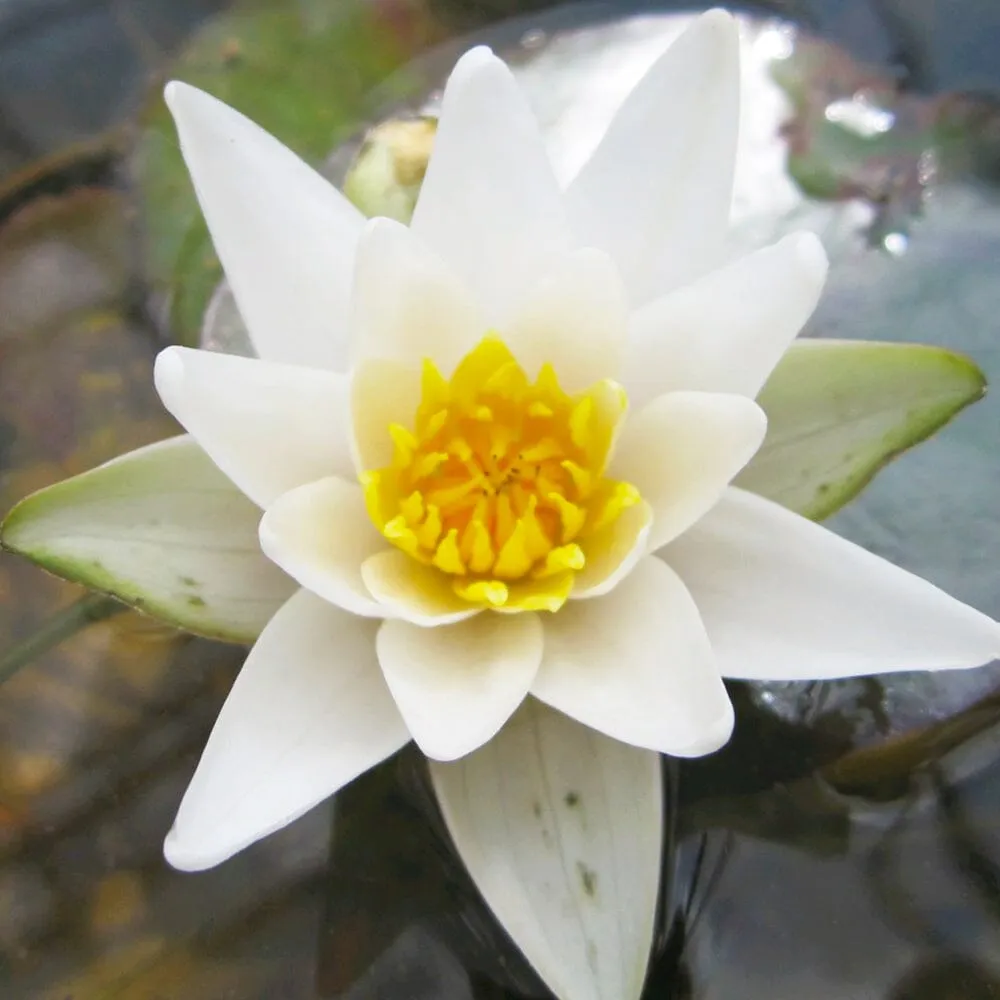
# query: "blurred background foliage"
[845,845]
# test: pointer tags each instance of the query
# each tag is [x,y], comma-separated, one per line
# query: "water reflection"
[844,845]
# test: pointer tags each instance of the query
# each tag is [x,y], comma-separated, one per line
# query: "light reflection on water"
[812,858]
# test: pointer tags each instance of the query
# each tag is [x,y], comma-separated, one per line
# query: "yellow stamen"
[500,484]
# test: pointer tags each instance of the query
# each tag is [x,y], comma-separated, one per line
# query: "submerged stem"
[57,628]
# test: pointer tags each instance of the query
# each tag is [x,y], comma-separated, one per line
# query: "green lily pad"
[162,530]
[838,411]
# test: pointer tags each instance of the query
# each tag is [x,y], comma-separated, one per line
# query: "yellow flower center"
[500,481]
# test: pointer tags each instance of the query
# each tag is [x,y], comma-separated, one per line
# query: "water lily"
[494,451]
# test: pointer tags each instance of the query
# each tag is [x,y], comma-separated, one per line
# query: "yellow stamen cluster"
[500,482]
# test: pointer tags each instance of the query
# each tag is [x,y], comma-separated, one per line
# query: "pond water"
[845,845]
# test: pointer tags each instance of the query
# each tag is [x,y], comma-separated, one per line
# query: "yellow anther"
[477,547]
[536,541]
[434,424]
[491,592]
[430,531]
[482,413]
[508,380]
[622,496]
[405,445]
[566,557]
[434,389]
[429,464]
[545,449]
[412,508]
[582,478]
[539,410]
[571,517]
[579,422]
[459,447]
[504,524]
[513,560]
[447,557]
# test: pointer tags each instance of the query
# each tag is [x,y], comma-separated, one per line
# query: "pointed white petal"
[656,193]
[320,535]
[162,529]
[308,713]
[285,236]
[785,599]
[637,665]
[490,204]
[612,552]
[727,331]
[561,829]
[682,450]
[269,427]
[412,591]
[457,685]
[408,304]
[576,319]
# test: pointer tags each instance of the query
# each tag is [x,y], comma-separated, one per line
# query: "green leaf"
[838,411]
[162,529]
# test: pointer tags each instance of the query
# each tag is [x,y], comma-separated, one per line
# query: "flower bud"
[386,175]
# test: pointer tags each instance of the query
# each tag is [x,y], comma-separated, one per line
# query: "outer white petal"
[726,331]
[682,450]
[490,204]
[269,427]
[419,594]
[320,535]
[656,193]
[637,665]
[408,303]
[785,599]
[458,684]
[576,318]
[308,713]
[561,829]
[285,236]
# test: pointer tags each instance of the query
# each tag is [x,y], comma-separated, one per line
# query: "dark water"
[846,845]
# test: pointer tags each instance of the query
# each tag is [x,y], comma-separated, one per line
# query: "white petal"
[656,193]
[285,236]
[576,319]
[613,552]
[320,535]
[561,830]
[458,684]
[163,530]
[412,591]
[408,304]
[785,599]
[682,450]
[637,665]
[727,331]
[383,392]
[269,427]
[308,713]
[490,204]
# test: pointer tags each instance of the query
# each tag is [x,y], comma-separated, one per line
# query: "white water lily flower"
[494,449]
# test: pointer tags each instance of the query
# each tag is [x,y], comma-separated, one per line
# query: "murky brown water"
[844,846]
